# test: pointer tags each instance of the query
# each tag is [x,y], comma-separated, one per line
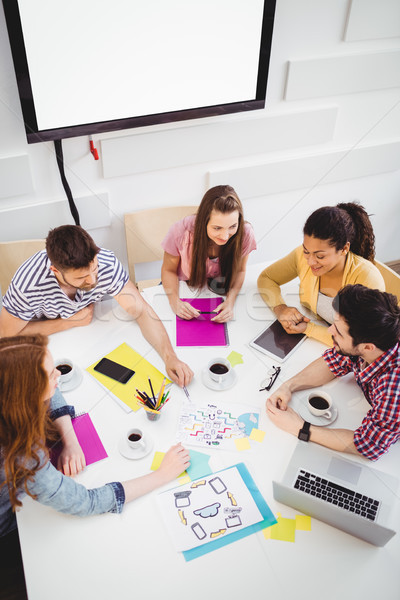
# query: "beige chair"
[391,279]
[12,255]
[144,231]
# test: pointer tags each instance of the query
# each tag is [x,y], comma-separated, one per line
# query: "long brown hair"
[224,199]
[24,417]
[346,222]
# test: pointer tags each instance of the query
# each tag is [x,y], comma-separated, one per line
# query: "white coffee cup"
[66,368]
[135,439]
[219,369]
[319,404]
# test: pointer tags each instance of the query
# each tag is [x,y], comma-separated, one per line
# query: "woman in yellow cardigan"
[338,249]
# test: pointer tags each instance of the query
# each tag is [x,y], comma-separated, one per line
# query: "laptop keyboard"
[336,494]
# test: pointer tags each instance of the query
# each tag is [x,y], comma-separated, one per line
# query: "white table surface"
[131,555]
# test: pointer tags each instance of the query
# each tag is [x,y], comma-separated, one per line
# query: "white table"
[131,555]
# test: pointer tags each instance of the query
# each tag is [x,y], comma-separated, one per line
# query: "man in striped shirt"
[366,334]
[56,289]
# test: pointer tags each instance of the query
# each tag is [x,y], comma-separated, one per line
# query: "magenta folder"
[88,438]
[202,331]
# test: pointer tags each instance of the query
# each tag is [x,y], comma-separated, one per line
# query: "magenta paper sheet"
[88,439]
[201,331]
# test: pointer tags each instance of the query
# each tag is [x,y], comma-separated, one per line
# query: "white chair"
[144,231]
[12,255]
[391,279]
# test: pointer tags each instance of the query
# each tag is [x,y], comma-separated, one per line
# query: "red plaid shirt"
[380,382]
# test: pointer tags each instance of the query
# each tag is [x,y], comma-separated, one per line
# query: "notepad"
[88,439]
[125,393]
[202,331]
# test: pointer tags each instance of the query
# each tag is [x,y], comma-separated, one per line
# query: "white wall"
[330,133]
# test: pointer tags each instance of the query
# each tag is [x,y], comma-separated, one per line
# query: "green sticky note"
[303,522]
[235,358]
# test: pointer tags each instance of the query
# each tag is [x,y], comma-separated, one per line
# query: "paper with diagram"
[216,424]
[209,508]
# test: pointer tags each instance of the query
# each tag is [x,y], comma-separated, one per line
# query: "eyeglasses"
[267,383]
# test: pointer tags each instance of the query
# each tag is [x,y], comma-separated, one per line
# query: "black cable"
[60,162]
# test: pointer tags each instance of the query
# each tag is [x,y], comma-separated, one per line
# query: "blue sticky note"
[199,466]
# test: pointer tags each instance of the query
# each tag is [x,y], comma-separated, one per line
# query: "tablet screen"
[276,341]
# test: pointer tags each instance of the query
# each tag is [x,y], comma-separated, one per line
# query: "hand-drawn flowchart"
[215,425]
[208,508]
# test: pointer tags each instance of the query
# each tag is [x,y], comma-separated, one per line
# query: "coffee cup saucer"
[228,382]
[313,419]
[72,383]
[135,453]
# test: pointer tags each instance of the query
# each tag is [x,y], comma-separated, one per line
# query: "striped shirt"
[380,382]
[34,292]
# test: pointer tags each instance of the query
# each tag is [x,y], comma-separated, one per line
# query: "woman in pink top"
[210,247]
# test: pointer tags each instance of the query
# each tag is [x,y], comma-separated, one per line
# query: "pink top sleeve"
[179,242]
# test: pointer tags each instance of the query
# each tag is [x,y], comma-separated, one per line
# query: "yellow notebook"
[126,392]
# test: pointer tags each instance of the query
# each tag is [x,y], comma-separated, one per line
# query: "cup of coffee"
[319,404]
[219,369]
[66,368]
[135,438]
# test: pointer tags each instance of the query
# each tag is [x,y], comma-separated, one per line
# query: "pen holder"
[152,415]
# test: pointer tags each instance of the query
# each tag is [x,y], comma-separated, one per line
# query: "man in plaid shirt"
[366,333]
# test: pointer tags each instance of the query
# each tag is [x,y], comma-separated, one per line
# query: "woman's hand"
[71,460]
[225,312]
[175,462]
[292,320]
[184,310]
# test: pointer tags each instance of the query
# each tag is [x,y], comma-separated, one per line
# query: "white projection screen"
[88,66]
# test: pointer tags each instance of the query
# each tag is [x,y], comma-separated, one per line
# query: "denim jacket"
[62,493]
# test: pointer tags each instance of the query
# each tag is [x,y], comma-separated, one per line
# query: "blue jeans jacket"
[62,493]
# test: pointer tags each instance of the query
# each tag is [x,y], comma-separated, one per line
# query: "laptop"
[341,492]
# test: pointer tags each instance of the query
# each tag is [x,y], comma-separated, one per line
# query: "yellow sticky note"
[157,460]
[284,530]
[235,358]
[242,443]
[303,522]
[267,533]
[257,435]
[184,478]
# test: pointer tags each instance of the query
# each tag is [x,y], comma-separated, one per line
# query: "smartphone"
[114,370]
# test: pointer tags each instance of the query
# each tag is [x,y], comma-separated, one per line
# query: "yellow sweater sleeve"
[274,276]
[320,333]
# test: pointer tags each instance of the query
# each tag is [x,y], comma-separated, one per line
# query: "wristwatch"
[304,433]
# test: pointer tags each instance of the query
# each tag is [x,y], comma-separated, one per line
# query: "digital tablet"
[275,342]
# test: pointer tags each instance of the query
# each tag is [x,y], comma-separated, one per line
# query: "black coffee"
[319,403]
[134,437]
[64,369]
[219,369]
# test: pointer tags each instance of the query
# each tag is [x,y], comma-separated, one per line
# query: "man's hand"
[178,371]
[287,419]
[81,318]
[292,320]
[71,460]
[225,312]
[281,398]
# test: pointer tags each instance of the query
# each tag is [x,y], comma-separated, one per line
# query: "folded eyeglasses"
[267,383]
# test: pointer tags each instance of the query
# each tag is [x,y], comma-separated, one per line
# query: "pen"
[186,392]
[151,387]
[207,312]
